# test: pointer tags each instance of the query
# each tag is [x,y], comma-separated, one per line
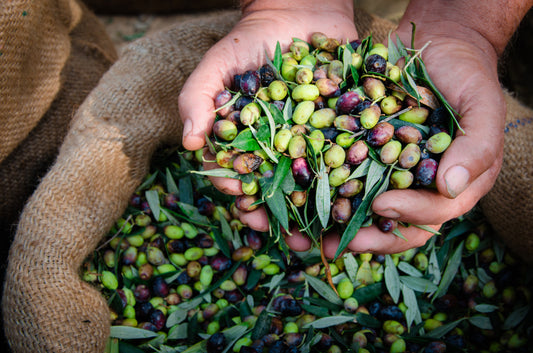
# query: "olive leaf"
[409,269]
[356,221]
[329,321]
[323,203]
[516,317]
[444,329]
[449,273]
[282,170]
[287,110]
[262,325]
[271,122]
[392,279]
[367,320]
[351,266]
[276,204]
[412,313]
[361,170]
[393,53]
[418,284]
[481,321]
[171,183]
[278,58]
[128,332]
[245,141]
[485,308]
[346,60]
[374,176]
[323,289]
[178,332]
[147,182]
[152,197]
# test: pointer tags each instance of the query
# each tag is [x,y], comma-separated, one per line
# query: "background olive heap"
[318,132]
[182,274]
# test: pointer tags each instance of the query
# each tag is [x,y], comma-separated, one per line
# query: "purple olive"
[301,172]
[347,102]
[376,63]
[380,134]
[426,171]
[250,82]
[341,211]
[357,153]
[221,99]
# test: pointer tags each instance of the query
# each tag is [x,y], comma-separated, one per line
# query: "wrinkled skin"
[467,169]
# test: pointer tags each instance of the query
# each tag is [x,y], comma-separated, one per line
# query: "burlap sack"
[509,205]
[52,54]
[105,155]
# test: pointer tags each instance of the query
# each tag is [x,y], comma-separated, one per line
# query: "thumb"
[196,100]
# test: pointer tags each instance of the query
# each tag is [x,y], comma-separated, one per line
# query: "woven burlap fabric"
[509,205]
[35,139]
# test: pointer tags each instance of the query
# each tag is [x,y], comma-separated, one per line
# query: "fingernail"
[389,213]
[456,178]
[187,127]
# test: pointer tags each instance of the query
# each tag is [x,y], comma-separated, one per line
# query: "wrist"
[488,24]
[341,6]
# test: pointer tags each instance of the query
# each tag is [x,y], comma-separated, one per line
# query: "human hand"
[463,65]
[261,26]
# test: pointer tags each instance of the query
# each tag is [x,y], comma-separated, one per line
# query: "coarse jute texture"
[52,55]
[509,205]
[104,157]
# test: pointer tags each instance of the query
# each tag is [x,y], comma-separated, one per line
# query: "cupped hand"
[463,67]
[244,49]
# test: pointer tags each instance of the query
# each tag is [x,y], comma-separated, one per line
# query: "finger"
[479,100]
[228,186]
[297,241]
[372,240]
[196,100]
[419,206]
[256,219]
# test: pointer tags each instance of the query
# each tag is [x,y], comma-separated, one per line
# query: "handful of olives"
[321,130]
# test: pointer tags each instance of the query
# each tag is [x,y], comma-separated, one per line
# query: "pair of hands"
[460,63]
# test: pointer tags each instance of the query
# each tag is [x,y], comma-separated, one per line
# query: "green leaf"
[287,110]
[329,321]
[148,182]
[176,317]
[276,204]
[449,273]
[323,289]
[481,321]
[323,201]
[357,220]
[245,141]
[515,317]
[192,213]
[433,266]
[427,229]
[185,183]
[278,58]
[233,334]
[350,264]
[346,61]
[375,174]
[398,233]
[282,169]
[262,325]
[124,347]
[319,311]
[152,196]
[412,313]
[419,284]
[322,303]
[394,53]
[265,148]
[178,332]
[367,320]
[218,172]
[392,279]
[440,331]
[288,185]
[171,184]
[128,332]
[409,269]
[368,293]
[355,75]
[361,170]
[485,308]
[271,122]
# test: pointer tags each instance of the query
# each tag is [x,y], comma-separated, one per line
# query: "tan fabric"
[509,205]
[42,83]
